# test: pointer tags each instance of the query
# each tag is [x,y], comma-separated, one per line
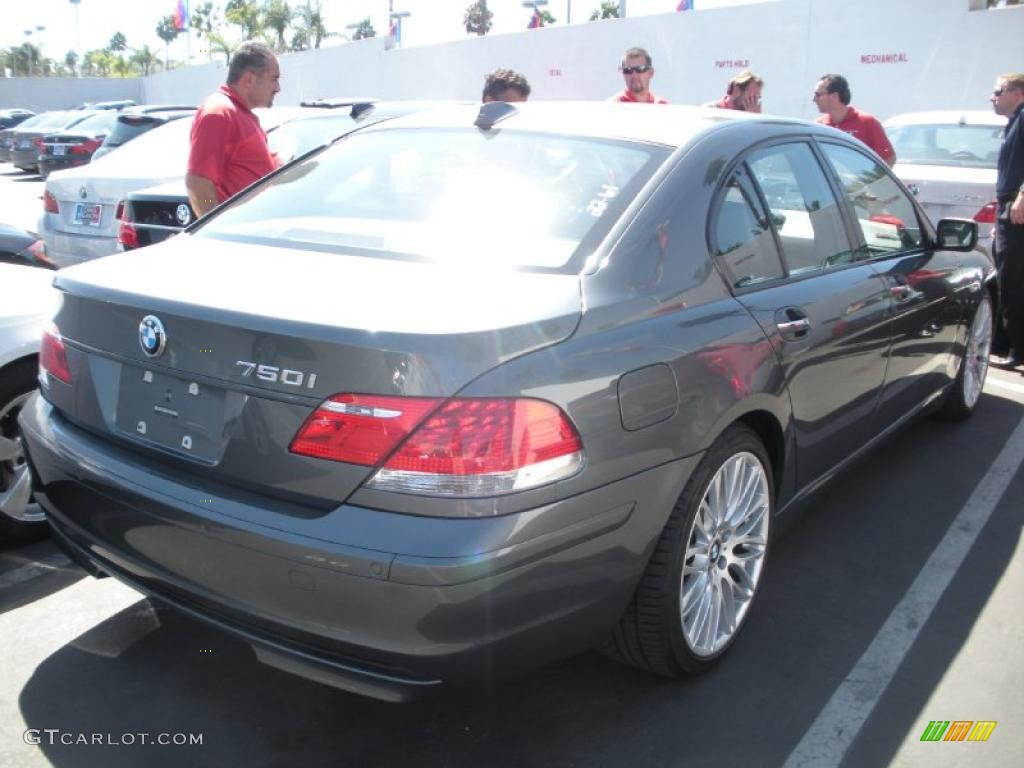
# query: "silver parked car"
[948,160]
[477,388]
[29,302]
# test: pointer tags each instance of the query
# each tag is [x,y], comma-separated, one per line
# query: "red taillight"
[127,235]
[360,429]
[87,147]
[50,202]
[467,447]
[987,215]
[53,357]
[38,143]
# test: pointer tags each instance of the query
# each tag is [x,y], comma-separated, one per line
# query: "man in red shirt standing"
[637,70]
[832,96]
[228,146]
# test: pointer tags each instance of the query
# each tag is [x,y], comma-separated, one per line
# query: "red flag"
[536,20]
[685,5]
[181,15]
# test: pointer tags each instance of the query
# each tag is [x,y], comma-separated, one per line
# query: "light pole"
[40,28]
[31,64]
[78,39]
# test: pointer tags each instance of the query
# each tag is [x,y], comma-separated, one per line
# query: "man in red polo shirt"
[832,96]
[229,147]
[637,70]
[743,93]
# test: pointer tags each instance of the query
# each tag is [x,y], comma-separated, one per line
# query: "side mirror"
[957,234]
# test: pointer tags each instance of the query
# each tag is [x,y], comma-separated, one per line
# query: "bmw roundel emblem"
[183,214]
[152,336]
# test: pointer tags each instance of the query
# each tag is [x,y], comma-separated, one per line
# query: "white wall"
[946,56]
[43,93]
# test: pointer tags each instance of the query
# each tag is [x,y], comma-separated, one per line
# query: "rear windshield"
[128,127]
[519,200]
[966,146]
[98,123]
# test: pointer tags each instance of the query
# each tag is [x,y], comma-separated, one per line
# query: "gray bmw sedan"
[477,388]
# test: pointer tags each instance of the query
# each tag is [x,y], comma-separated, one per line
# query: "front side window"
[802,208]
[885,214]
[447,195]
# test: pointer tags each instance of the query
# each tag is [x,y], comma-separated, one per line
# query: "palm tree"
[364,30]
[71,61]
[167,31]
[478,19]
[312,30]
[118,42]
[277,16]
[247,15]
[144,59]
[121,66]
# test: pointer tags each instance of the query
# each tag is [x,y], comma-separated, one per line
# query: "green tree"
[609,10]
[118,42]
[364,30]
[71,61]
[99,62]
[145,60]
[547,18]
[310,30]
[166,30]
[478,20]
[122,67]
[246,15]
[277,16]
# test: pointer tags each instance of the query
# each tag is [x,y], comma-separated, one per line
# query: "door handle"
[795,327]
[900,292]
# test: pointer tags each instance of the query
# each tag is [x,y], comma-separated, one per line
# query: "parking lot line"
[841,720]
[38,568]
[1006,385]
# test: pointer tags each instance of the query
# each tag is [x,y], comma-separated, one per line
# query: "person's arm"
[885,149]
[1017,208]
[202,193]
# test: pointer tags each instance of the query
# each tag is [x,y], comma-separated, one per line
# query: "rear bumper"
[67,248]
[369,619]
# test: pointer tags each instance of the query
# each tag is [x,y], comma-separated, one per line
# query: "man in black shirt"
[1008,100]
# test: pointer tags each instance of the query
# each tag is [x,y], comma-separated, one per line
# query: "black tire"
[965,392]
[651,634]
[20,517]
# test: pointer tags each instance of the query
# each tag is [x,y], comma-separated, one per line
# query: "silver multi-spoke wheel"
[15,483]
[975,362]
[725,554]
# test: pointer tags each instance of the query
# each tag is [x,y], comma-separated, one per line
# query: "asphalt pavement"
[891,600]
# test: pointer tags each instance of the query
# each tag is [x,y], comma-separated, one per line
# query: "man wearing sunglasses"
[1008,100]
[637,71]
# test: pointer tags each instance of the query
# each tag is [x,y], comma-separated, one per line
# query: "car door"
[921,281]
[782,241]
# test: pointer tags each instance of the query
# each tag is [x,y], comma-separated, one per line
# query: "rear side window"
[885,214]
[741,240]
[802,208]
[452,196]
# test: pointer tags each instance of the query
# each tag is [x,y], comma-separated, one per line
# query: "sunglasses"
[635,70]
[1000,91]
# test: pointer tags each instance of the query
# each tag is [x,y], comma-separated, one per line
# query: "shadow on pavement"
[37,570]
[831,584]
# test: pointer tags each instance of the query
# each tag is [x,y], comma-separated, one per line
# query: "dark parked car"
[7,134]
[477,388]
[12,117]
[28,139]
[135,121]
[19,246]
[75,146]
[154,214]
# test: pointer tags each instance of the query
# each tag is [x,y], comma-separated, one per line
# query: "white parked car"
[82,206]
[27,302]
[948,160]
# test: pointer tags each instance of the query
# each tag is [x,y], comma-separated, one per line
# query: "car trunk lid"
[257,336]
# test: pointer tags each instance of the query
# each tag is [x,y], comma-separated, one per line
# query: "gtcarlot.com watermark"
[54,736]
